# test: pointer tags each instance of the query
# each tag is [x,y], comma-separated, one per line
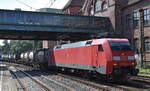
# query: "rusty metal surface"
[34,21]
[15,23]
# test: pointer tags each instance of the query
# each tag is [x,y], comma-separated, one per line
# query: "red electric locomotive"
[109,58]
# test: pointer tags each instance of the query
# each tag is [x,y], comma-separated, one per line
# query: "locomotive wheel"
[86,75]
[42,67]
[120,78]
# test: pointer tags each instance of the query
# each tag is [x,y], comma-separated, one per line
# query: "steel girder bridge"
[50,26]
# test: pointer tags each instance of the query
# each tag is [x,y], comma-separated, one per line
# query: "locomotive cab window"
[100,48]
[120,46]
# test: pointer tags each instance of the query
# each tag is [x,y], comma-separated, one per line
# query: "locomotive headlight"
[131,58]
[116,58]
[115,64]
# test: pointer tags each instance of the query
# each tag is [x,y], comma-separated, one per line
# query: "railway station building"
[125,18]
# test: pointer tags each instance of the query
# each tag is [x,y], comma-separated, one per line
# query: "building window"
[92,11]
[128,21]
[146,16]
[147,44]
[136,19]
[98,5]
[104,6]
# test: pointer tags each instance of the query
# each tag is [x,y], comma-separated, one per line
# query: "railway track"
[55,82]
[46,88]
[19,81]
[105,86]
[37,81]
[145,79]
[94,85]
[136,84]
[143,75]
[41,83]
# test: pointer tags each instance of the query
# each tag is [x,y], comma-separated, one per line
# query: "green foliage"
[19,46]
[145,70]
[5,49]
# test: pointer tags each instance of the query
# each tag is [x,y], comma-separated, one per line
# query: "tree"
[6,47]
[19,46]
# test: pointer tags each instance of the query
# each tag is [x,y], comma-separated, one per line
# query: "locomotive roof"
[87,43]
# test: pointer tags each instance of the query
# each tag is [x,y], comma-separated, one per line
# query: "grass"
[144,70]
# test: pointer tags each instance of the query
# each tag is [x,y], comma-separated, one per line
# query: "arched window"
[97,5]
[104,6]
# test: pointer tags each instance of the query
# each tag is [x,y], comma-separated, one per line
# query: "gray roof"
[74,3]
[77,2]
[74,45]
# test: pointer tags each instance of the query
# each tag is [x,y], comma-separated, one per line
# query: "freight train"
[111,59]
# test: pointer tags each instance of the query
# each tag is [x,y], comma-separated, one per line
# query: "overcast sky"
[30,5]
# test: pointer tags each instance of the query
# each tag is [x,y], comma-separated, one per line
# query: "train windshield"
[120,46]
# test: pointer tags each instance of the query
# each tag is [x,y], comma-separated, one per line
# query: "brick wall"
[114,12]
[72,10]
[131,32]
[118,10]
[49,44]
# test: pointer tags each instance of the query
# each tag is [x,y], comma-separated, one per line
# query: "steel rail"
[37,81]
[141,78]
[101,86]
[69,88]
[104,86]
[19,81]
[96,86]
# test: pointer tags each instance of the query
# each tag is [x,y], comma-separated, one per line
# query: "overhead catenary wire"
[50,3]
[21,2]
